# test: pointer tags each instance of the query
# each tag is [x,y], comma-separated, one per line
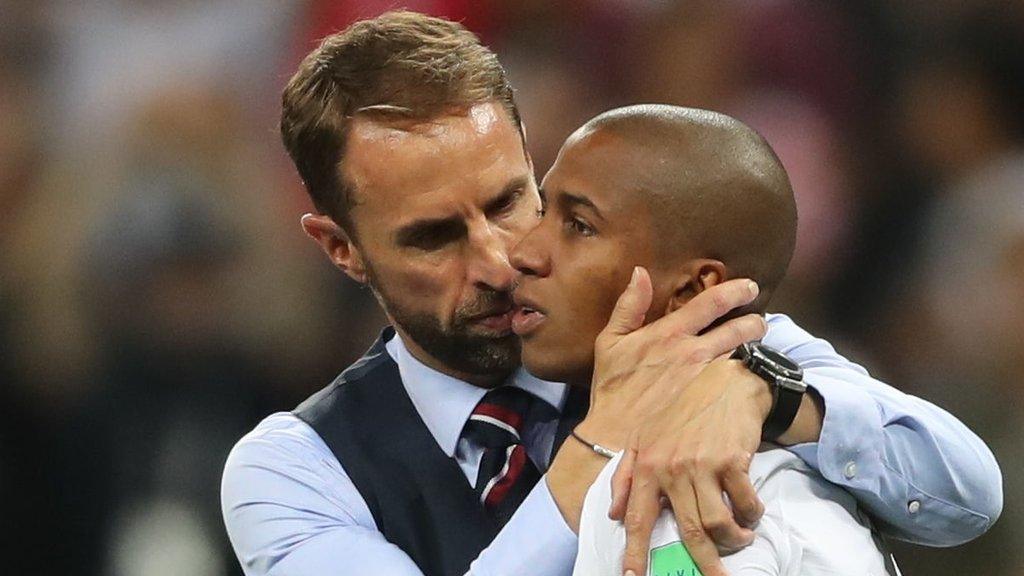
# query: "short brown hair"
[402,64]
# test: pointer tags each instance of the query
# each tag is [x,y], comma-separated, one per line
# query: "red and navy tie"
[506,472]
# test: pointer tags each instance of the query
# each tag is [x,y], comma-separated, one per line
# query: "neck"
[580,379]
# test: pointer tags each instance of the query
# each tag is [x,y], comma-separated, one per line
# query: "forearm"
[806,426]
[536,540]
[573,471]
[924,475]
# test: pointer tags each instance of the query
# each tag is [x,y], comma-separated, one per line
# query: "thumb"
[631,309]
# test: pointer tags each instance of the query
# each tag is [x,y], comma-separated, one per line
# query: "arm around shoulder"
[917,469]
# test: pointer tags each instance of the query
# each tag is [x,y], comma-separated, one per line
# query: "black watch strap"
[785,405]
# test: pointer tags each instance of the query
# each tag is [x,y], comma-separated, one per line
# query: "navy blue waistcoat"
[418,496]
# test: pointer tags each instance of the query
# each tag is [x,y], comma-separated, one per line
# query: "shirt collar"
[445,403]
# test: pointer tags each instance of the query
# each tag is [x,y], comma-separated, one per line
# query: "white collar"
[445,403]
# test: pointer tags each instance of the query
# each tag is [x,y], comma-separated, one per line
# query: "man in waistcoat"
[436,453]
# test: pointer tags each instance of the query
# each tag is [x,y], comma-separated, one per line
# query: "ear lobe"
[336,244]
[698,275]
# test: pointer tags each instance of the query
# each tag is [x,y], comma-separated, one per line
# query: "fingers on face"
[631,307]
[722,340]
[729,335]
[710,305]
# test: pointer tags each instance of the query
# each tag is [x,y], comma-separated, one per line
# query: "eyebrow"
[568,200]
[419,230]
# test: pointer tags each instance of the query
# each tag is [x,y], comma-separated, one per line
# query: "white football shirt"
[810,527]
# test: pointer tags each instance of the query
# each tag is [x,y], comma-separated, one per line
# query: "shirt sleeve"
[600,544]
[290,509]
[923,475]
[536,540]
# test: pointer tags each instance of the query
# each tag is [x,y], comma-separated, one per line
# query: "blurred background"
[157,296]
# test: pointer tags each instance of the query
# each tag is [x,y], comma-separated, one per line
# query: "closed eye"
[504,203]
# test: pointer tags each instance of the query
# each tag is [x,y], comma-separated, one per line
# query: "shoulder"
[279,436]
[283,489]
[282,459]
[352,389]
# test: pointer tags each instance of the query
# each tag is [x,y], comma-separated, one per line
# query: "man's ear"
[336,243]
[695,277]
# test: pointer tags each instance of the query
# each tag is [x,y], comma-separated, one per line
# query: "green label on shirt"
[672,560]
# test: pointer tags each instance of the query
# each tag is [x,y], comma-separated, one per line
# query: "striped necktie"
[506,473]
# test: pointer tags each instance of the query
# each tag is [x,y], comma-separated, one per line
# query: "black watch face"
[779,359]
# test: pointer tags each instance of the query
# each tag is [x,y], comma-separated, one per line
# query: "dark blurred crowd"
[157,298]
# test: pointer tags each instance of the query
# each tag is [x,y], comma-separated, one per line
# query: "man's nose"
[530,256]
[489,266]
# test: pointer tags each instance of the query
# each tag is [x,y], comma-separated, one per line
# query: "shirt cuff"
[848,451]
[536,540]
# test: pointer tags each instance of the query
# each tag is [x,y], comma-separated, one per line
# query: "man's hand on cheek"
[679,434]
[695,448]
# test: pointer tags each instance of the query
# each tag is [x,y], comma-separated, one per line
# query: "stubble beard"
[457,346]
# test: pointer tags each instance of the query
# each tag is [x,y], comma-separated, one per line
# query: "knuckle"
[680,465]
[634,521]
[737,462]
[758,326]
[718,525]
[703,462]
[691,532]
[697,352]
[720,302]
[744,499]
[738,330]
[645,466]
[704,353]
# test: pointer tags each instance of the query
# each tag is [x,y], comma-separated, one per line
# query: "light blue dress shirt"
[290,508]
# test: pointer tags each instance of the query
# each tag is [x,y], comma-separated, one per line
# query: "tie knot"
[498,419]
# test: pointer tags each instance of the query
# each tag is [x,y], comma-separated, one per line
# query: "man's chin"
[495,334]
[474,351]
[479,348]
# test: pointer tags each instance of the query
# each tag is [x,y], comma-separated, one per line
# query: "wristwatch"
[784,377]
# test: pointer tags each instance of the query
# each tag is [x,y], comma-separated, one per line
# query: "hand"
[696,447]
[637,368]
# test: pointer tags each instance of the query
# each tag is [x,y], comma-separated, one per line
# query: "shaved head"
[712,187]
[695,197]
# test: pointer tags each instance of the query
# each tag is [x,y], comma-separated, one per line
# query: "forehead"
[602,168]
[444,160]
